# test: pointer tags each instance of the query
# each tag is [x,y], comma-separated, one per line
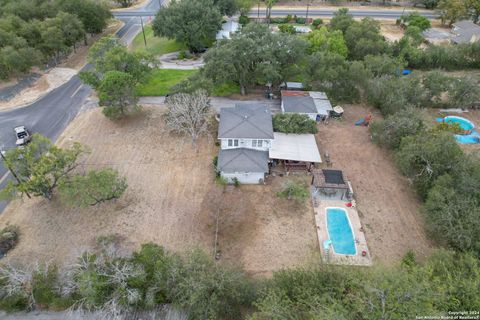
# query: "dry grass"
[171,200]
[386,202]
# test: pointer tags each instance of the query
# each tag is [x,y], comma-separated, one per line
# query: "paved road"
[314,12]
[50,115]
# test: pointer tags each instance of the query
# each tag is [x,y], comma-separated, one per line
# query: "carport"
[294,151]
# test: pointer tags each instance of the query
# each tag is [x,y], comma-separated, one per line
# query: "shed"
[228,28]
[331,184]
[295,151]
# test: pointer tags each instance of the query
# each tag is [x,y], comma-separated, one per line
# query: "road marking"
[4,176]
[76,91]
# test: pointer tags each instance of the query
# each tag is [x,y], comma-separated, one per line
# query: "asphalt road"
[51,114]
[357,13]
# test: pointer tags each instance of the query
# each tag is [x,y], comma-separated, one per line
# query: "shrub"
[390,132]
[287,28]
[292,190]
[426,156]
[8,239]
[448,127]
[415,19]
[294,123]
[236,182]
[221,181]
[243,20]
[317,22]
[300,20]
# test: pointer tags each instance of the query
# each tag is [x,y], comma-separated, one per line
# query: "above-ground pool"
[470,137]
[465,124]
[340,231]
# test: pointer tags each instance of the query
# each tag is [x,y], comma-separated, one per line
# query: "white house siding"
[245,177]
[247,143]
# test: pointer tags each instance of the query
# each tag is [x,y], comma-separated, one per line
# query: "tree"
[364,38]
[94,16]
[452,10]
[192,22]
[465,92]
[323,40]
[255,55]
[425,157]
[40,166]
[416,20]
[287,28]
[124,3]
[227,7]
[380,65]
[244,6]
[109,55]
[390,132]
[93,188]
[116,92]
[341,20]
[473,7]
[188,113]
[294,123]
[269,4]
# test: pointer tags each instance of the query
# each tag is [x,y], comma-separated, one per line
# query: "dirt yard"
[391,31]
[260,230]
[171,200]
[386,203]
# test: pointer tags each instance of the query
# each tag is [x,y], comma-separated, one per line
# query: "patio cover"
[295,147]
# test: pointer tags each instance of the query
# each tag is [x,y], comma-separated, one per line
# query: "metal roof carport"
[294,147]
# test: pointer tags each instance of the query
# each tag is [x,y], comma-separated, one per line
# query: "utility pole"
[11,171]
[143,31]
[258,11]
[306,16]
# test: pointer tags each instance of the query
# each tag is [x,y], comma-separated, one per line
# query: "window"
[232,142]
[259,143]
[266,143]
[254,143]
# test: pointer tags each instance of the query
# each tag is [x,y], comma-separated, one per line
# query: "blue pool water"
[340,232]
[465,124]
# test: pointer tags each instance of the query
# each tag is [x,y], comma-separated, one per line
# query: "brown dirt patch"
[386,203]
[391,31]
[261,231]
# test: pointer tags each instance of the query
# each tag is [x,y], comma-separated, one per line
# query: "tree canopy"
[255,56]
[294,123]
[192,22]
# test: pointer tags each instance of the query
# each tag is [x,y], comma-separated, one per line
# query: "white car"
[23,137]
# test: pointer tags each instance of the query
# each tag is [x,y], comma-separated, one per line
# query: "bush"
[243,20]
[294,123]
[292,190]
[415,19]
[287,28]
[236,182]
[317,22]
[8,239]
[390,132]
[221,181]
[300,20]
[279,20]
[426,156]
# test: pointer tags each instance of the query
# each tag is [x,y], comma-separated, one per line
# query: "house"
[465,32]
[245,133]
[312,103]
[249,147]
[298,86]
[228,28]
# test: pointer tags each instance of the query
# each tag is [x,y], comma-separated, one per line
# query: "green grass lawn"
[161,80]
[155,45]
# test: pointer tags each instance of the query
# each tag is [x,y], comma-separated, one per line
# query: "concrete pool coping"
[322,234]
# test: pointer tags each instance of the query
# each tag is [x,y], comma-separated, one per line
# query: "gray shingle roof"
[242,160]
[246,121]
[299,104]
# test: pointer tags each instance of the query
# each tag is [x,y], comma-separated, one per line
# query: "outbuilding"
[331,184]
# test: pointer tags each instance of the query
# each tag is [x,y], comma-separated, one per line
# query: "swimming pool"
[465,124]
[340,231]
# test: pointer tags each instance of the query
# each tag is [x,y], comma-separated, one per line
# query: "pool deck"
[320,206]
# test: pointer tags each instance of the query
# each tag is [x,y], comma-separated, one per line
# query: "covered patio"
[296,152]
[330,184]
